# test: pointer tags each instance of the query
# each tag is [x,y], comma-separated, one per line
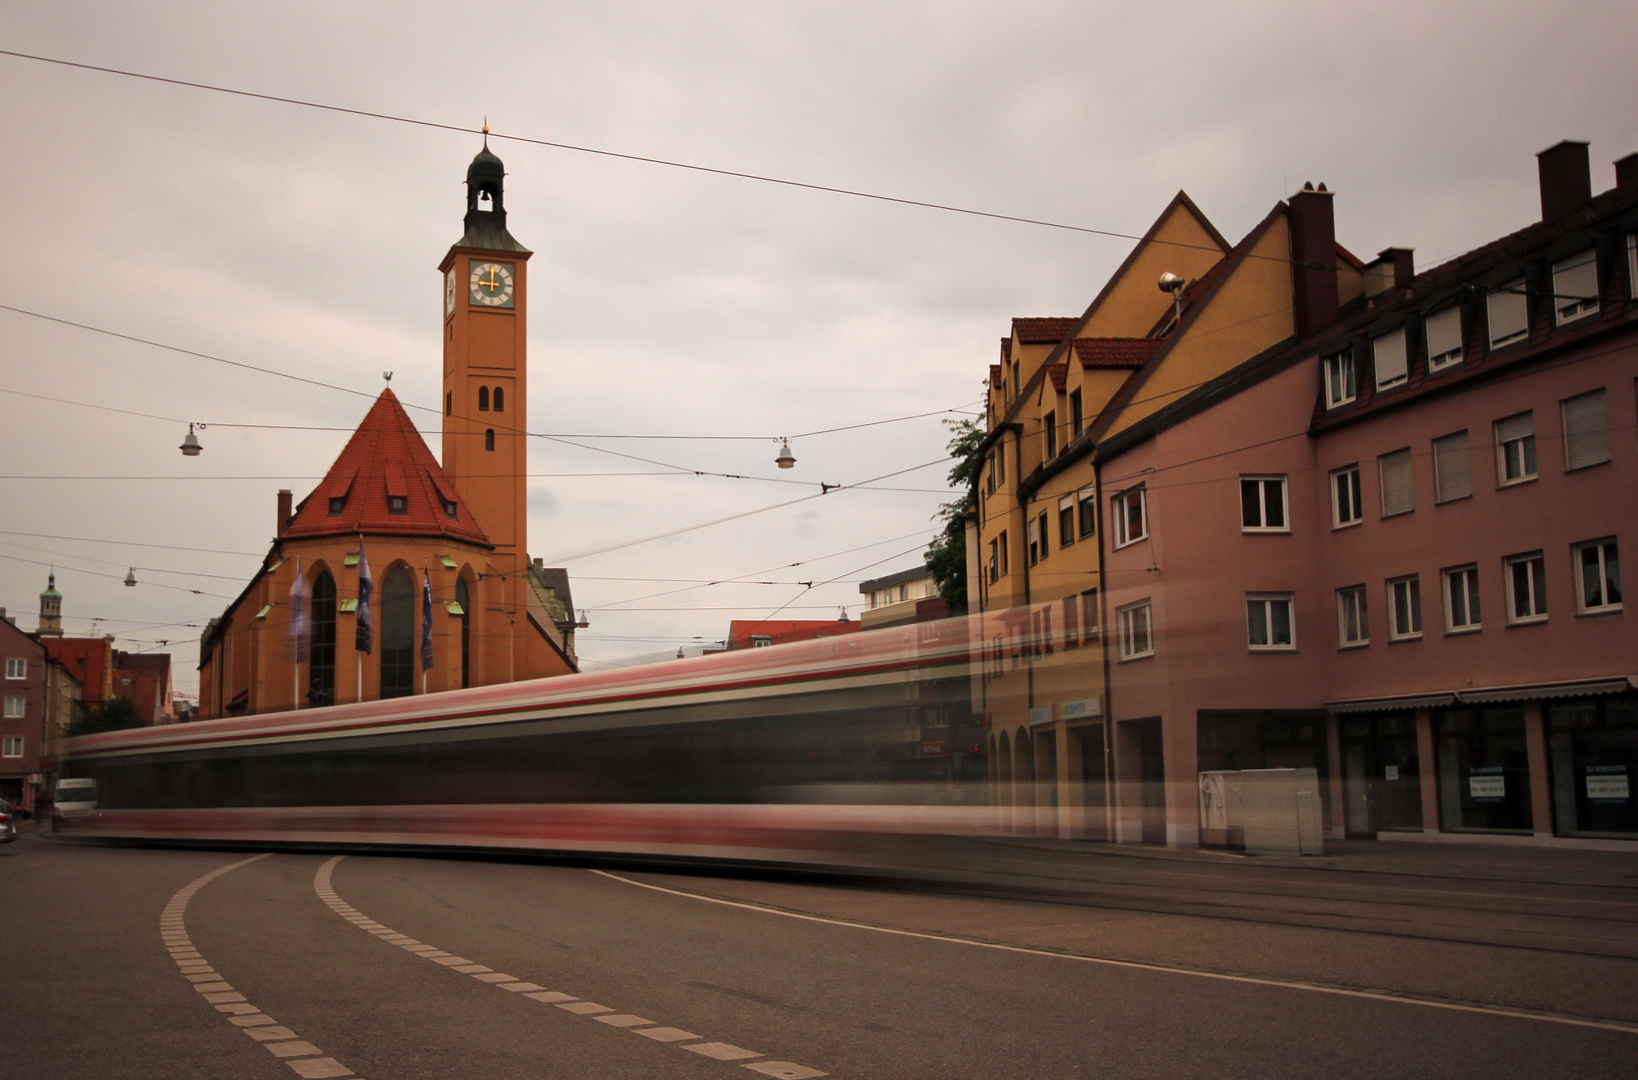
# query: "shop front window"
[1593,747]
[1484,770]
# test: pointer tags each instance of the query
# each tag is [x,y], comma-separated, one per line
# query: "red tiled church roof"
[1043,331]
[386,456]
[1114,352]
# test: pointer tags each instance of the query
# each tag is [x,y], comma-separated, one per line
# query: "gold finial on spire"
[486,133]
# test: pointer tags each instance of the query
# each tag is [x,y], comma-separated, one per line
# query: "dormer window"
[1388,356]
[398,504]
[450,510]
[1443,330]
[1338,369]
[337,506]
[1575,287]
[1509,312]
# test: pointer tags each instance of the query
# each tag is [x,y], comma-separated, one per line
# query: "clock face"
[491,284]
[449,292]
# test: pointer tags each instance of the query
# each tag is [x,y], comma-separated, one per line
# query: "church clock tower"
[486,371]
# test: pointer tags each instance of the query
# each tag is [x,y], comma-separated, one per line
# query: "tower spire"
[51,608]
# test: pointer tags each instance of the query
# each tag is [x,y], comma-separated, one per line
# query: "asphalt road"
[124,962]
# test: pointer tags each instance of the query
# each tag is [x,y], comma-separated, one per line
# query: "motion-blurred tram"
[825,752]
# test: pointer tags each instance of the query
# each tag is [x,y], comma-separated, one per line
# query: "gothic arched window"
[397,635]
[500,399]
[483,399]
[321,653]
[463,597]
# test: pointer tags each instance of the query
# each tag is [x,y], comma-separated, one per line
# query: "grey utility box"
[1281,811]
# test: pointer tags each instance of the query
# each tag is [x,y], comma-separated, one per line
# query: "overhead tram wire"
[708,169]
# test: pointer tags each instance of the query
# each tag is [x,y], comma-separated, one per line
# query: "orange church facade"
[397,575]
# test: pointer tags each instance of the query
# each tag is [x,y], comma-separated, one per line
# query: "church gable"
[385,482]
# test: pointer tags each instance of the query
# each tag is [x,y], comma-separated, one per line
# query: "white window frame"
[16,707]
[1390,361]
[1131,619]
[1353,617]
[1565,309]
[1448,358]
[1536,581]
[1410,587]
[1526,442]
[1119,505]
[1461,589]
[1267,603]
[761,641]
[1262,482]
[1513,293]
[1393,459]
[1593,431]
[16,667]
[1340,378]
[14,747]
[1449,452]
[1356,492]
[1066,506]
[1605,552]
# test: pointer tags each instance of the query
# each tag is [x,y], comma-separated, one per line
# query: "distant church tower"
[485,450]
[51,609]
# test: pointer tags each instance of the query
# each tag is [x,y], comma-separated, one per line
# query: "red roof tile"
[1115,352]
[995,376]
[1043,331]
[386,455]
[1006,350]
[741,631]
[1059,374]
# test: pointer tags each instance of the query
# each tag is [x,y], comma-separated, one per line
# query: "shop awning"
[1585,688]
[1419,701]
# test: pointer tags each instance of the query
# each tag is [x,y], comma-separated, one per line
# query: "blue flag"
[426,620]
[363,634]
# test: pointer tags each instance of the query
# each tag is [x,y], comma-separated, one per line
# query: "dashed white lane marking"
[303,1058]
[1138,965]
[721,1051]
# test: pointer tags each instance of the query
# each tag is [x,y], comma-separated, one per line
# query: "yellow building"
[1034,565]
[396,575]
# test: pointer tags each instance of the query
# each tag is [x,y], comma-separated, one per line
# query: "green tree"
[947,554]
[115,714]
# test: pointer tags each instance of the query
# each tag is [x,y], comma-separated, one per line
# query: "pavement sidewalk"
[1471,861]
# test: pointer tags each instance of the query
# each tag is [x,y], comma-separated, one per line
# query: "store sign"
[1486,783]
[933,748]
[1041,714]
[1391,772]
[1607,783]
[1080,708]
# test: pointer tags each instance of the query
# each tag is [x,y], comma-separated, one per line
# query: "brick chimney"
[284,510]
[1566,179]
[1313,260]
[1626,171]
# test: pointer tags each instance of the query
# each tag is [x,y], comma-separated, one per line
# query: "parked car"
[8,828]
[17,812]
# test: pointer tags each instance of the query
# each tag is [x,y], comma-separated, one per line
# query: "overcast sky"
[667,302]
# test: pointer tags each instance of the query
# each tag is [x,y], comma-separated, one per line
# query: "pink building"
[1388,546]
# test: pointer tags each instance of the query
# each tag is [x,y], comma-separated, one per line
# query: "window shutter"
[1396,482]
[1509,311]
[1515,427]
[1452,467]
[1575,281]
[1444,334]
[1388,351]
[1586,430]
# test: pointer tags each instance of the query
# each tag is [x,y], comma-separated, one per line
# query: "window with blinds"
[1452,468]
[1397,491]
[1586,430]
[1444,334]
[1509,312]
[1388,356]
[1575,287]
[1516,449]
